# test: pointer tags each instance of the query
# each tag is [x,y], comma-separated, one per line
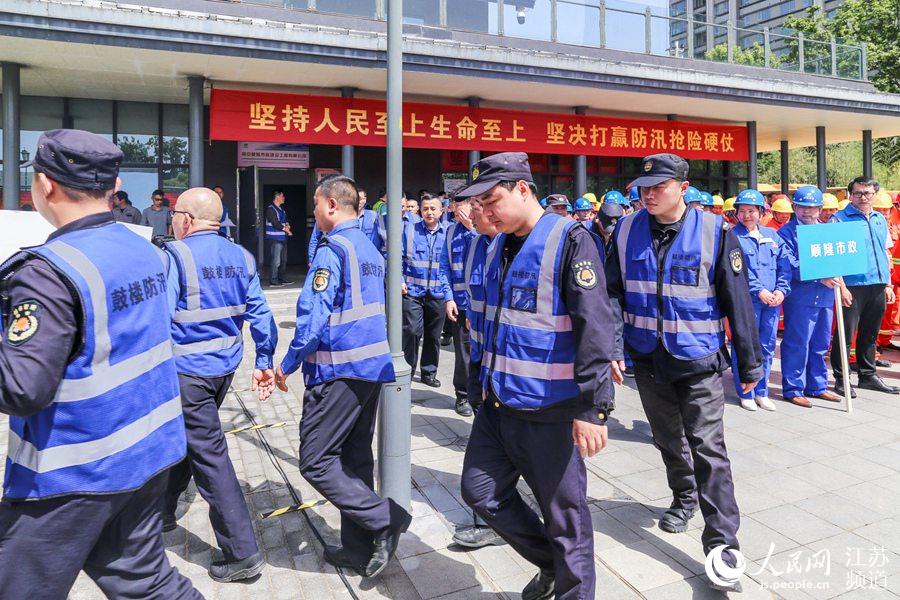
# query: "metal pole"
[801,51]
[690,34]
[602,6]
[580,164]
[753,166]
[442,13]
[767,47]
[394,471]
[195,130]
[729,40]
[347,157]
[710,34]
[11,136]
[834,61]
[821,176]
[842,339]
[554,23]
[864,60]
[785,168]
[474,155]
[648,29]
[867,153]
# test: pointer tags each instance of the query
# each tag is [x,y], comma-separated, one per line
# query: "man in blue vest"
[546,379]
[278,230]
[673,331]
[88,378]
[459,236]
[341,343]
[369,222]
[218,289]
[869,293]
[425,290]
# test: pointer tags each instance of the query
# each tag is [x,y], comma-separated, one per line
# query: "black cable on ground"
[294,495]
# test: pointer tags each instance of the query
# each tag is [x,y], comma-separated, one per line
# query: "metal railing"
[616,25]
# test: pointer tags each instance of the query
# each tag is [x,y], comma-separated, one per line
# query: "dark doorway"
[295,207]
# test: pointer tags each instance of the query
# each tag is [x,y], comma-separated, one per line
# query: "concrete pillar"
[821,176]
[867,153]
[11,136]
[785,170]
[580,164]
[347,154]
[474,155]
[752,166]
[195,129]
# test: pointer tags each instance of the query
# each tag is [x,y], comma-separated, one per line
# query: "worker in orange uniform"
[829,207]
[781,212]
[884,204]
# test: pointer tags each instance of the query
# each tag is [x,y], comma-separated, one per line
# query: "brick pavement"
[817,488]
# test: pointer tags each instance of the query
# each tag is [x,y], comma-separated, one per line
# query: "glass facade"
[153,137]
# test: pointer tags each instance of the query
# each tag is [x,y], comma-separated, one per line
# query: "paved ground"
[819,492]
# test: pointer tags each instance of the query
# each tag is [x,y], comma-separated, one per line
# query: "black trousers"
[501,449]
[686,418]
[461,350]
[116,538]
[864,317]
[208,462]
[336,459]
[423,321]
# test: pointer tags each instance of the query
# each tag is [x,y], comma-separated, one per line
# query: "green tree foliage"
[843,162]
[754,55]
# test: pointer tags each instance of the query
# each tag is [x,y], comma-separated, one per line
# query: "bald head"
[204,212]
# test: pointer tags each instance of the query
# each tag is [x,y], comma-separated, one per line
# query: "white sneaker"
[764,403]
[748,404]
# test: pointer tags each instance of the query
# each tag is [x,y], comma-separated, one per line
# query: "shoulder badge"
[24,322]
[320,280]
[585,276]
[737,260]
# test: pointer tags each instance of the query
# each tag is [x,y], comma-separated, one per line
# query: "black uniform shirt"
[594,341]
[735,302]
[32,366]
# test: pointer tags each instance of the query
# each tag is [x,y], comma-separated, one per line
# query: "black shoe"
[337,557]
[629,371]
[884,364]
[462,407]
[446,340]
[287,283]
[477,537]
[676,519]
[275,284]
[169,523]
[839,390]
[540,588]
[224,572]
[874,382]
[431,381]
[386,546]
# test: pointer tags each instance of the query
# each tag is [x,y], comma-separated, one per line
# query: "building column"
[580,164]
[752,164]
[821,175]
[474,155]
[195,130]
[347,154]
[867,153]
[11,175]
[785,168]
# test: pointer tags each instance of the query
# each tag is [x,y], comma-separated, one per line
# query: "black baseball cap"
[77,159]
[497,168]
[657,168]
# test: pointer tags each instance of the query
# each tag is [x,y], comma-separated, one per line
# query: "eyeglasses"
[862,194]
[182,212]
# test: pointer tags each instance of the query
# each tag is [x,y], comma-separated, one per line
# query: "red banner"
[291,118]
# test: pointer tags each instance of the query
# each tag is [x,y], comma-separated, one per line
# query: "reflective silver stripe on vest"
[459,287]
[420,264]
[352,265]
[213,345]
[209,314]
[622,243]
[531,370]
[104,376]
[650,323]
[670,289]
[457,266]
[448,240]
[353,355]
[422,282]
[26,454]
[192,293]
[355,314]
[543,317]
[193,313]
[467,273]
[410,236]
[476,336]
[476,305]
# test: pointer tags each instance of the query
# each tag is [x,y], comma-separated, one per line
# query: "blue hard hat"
[614,197]
[706,199]
[569,207]
[544,202]
[808,195]
[751,197]
[692,194]
[583,204]
[634,194]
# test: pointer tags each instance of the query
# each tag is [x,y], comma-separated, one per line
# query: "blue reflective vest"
[354,344]
[475,293]
[803,293]
[529,349]
[453,261]
[215,275]
[271,232]
[116,419]
[422,261]
[674,302]
[368,222]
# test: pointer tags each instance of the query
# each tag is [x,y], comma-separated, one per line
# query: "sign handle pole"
[842,338]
